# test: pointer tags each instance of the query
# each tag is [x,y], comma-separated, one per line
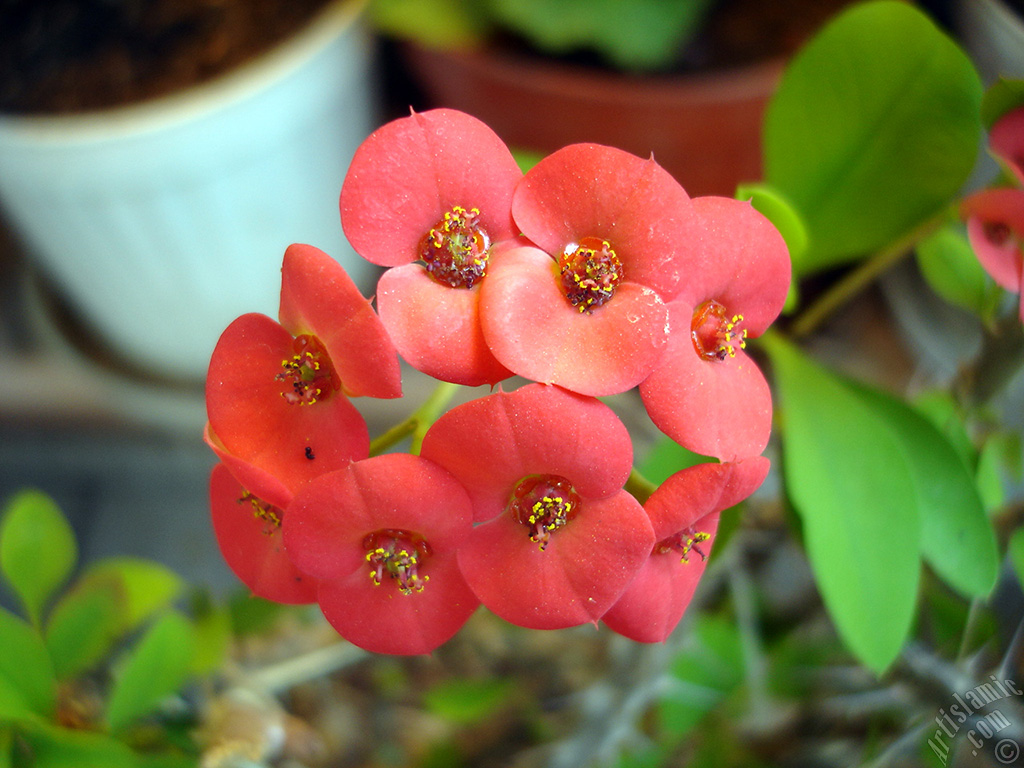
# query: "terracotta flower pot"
[703,128]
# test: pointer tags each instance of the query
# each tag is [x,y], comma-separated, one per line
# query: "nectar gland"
[400,555]
[268,514]
[716,334]
[683,543]
[455,250]
[308,376]
[544,503]
[590,270]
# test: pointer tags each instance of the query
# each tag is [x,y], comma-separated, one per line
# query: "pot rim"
[234,85]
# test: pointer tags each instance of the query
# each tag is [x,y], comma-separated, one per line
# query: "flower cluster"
[591,274]
[995,217]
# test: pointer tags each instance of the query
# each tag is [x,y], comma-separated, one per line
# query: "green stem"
[639,486]
[859,278]
[417,423]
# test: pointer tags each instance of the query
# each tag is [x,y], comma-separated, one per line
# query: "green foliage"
[37,549]
[948,264]
[83,627]
[1003,96]
[873,129]
[433,23]
[1015,549]
[26,672]
[465,701]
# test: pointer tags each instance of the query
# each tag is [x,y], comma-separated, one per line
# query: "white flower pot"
[161,222]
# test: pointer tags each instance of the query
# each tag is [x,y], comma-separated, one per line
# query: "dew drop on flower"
[716,334]
[455,250]
[590,271]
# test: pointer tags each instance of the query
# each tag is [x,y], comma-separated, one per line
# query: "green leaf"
[957,538]
[1003,96]
[153,670]
[54,747]
[148,586]
[84,625]
[774,206]
[947,262]
[432,23]
[848,479]
[1015,550]
[26,665]
[467,701]
[998,460]
[666,458]
[37,549]
[873,129]
[212,625]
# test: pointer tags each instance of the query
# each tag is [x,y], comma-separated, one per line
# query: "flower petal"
[720,408]
[995,226]
[253,420]
[740,260]
[253,547]
[409,172]
[491,443]
[589,190]
[1006,140]
[437,328]
[533,329]
[319,298]
[581,573]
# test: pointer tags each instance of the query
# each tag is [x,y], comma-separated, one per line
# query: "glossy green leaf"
[848,479]
[25,664]
[957,539]
[84,626]
[467,701]
[148,586]
[54,747]
[998,461]
[37,549]
[774,206]
[873,129]
[947,262]
[155,668]
[1003,96]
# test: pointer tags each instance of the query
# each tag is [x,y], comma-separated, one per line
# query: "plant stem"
[417,423]
[859,278]
[639,486]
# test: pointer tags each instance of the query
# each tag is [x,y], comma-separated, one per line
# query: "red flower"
[277,393]
[684,512]
[381,537]
[434,187]
[587,311]
[545,468]
[995,217]
[248,532]
[706,393]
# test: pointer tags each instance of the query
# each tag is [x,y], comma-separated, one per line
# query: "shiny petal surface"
[714,408]
[319,298]
[590,190]
[491,443]
[329,519]
[409,172]
[533,330]
[383,620]
[740,260]
[253,547]
[437,328]
[253,420]
[995,226]
[582,572]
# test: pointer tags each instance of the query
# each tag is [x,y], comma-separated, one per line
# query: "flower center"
[308,375]
[590,271]
[997,233]
[716,334]
[683,542]
[268,514]
[400,555]
[544,503]
[455,250]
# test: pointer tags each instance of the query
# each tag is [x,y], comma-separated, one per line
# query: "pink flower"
[434,187]
[684,512]
[706,393]
[544,469]
[248,531]
[995,217]
[277,393]
[380,536]
[586,311]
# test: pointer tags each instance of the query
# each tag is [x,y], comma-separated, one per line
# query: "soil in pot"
[59,56]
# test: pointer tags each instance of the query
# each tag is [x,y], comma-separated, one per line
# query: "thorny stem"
[859,278]
[417,423]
